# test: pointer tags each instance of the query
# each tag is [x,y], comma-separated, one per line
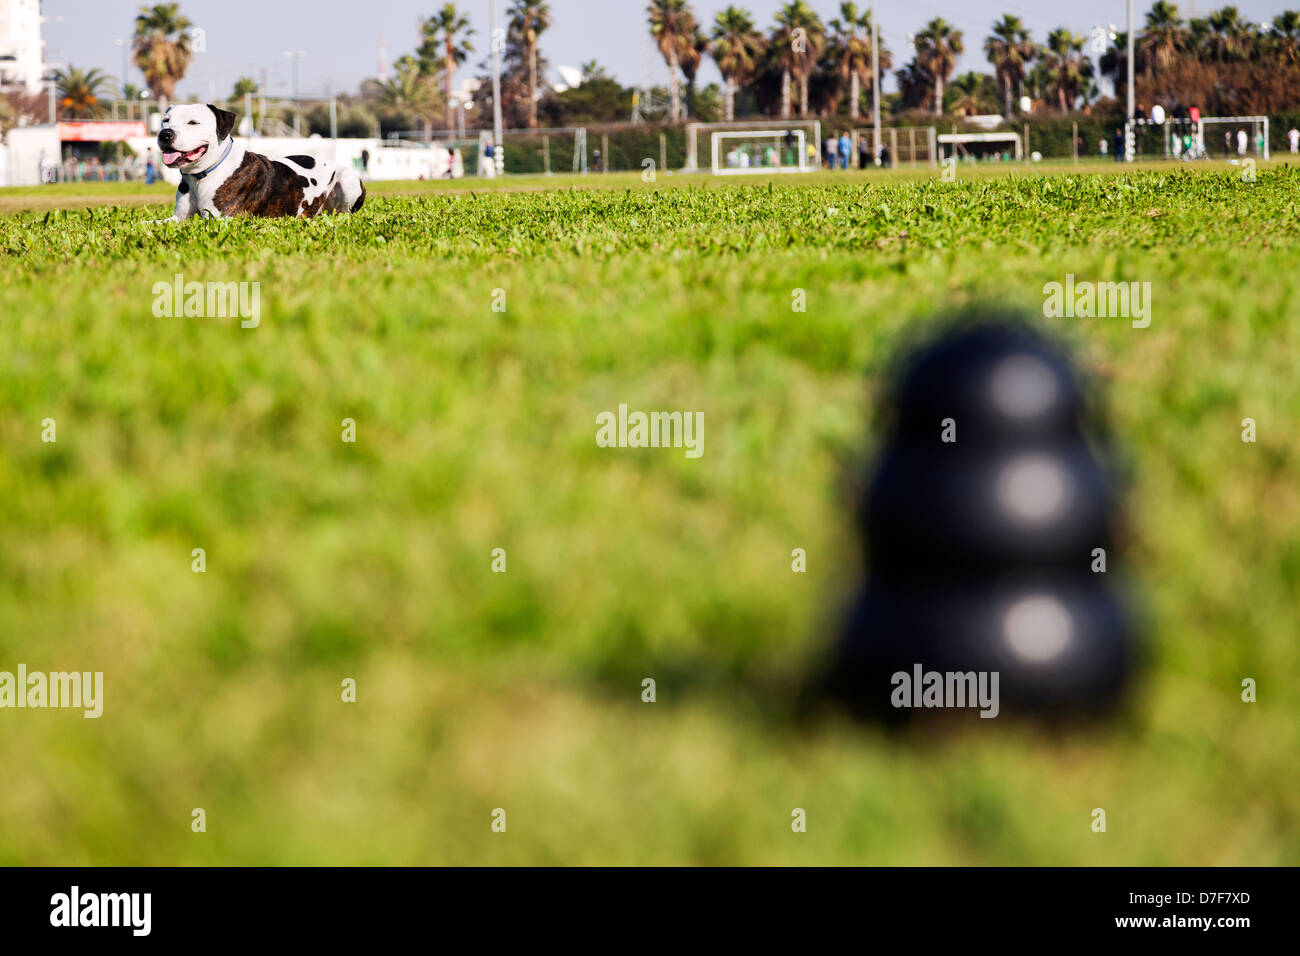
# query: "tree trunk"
[803,94]
[675,89]
[731,99]
[855,92]
[532,86]
[1006,92]
[938,93]
[449,65]
[785,94]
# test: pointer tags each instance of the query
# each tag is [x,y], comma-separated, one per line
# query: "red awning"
[107,131]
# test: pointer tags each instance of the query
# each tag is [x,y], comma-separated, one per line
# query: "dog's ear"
[225,121]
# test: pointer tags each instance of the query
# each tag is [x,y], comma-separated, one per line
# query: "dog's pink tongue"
[170,157]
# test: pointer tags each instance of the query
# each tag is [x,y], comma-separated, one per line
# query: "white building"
[20,44]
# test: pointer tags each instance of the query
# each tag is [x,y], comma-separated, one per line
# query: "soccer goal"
[760,151]
[1234,137]
[699,145]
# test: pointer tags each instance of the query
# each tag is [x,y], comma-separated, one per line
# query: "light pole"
[51,79]
[875,82]
[498,135]
[1130,134]
[126,46]
[296,57]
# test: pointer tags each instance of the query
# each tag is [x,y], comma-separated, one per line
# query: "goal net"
[1231,138]
[699,142]
[1234,137]
[761,151]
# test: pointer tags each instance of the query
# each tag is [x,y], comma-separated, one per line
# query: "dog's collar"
[217,163]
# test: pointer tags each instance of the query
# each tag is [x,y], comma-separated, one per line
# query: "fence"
[907,144]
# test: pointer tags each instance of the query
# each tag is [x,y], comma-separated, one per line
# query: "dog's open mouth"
[174,158]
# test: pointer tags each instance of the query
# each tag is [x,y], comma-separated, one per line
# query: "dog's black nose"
[166,137]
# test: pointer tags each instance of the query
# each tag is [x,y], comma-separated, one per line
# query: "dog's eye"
[193,123]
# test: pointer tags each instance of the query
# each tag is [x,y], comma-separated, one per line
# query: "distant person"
[886,157]
[150,169]
[1140,113]
[1119,145]
[365,160]
[596,161]
[846,150]
[812,154]
[828,153]
[1259,143]
[1242,142]
[1176,145]
[1293,138]
[864,154]
[1101,147]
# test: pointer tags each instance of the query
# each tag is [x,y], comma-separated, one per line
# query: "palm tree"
[162,59]
[81,92]
[244,86]
[529,19]
[937,49]
[130,94]
[692,56]
[672,24]
[411,90]
[915,84]
[798,42]
[853,52]
[737,48]
[966,101]
[1010,51]
[1286,36]
[446,39]
[1231,37]
[1198,38]
[1114,63]
[1069,68]
[1163,37]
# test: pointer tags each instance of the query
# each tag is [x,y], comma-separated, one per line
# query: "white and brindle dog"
[220,177]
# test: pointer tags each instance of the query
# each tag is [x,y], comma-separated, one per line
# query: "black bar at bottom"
[330,906]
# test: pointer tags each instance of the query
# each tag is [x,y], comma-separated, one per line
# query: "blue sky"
[341,40]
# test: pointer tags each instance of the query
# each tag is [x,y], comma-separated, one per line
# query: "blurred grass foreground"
[327,560]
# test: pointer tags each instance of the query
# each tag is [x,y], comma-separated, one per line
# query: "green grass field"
[475,430]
